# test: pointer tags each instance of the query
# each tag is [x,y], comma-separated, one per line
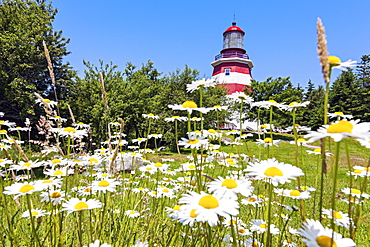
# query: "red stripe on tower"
[232,67]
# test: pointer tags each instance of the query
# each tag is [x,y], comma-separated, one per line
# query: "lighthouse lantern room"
[232,67]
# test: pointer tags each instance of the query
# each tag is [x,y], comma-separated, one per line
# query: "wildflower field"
[298,187]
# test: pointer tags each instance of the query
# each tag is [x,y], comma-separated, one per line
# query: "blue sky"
[280,35]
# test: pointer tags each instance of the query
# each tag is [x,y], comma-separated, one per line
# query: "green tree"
[282,91]
[133,92]
[312,115]
[345,95]
[24,25]
[363,75]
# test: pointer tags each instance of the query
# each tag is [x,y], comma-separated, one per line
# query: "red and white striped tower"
[232,67]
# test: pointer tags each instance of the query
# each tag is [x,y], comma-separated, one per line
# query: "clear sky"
[280,35]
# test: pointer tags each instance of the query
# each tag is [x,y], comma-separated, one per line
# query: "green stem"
[36,237]
[146,142]
[335,175]
[80,228]
[189,124]
[176,138]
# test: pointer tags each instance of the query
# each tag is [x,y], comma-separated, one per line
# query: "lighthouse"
[232,67]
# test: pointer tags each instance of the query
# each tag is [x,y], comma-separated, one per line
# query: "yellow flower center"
[3,132]
[69,129]
[81,206]
[252,199]
[55,194]
[28,164]
[34,213]
[212,131]
[193,214]
[325,241]
[267,140]
[229,183]
[26,188]
[333,60]
[103,183]
[47,100]
[293,103]
[216,106]
[189,104]
[80,123]
[93,160]
[304,187]
[149,168]
[158,164]
[177,207]
[58,172]
[337,215]
[355,191]
[87,190]
[263,225]
[47,182]
[264,126]
[56,161]
[301,140]
[338,113]
[241,230]
[255,244]
[191,167]
[166,190]
[357,171]
[273,171]
[295,193]
[151,114]
[193,141]
[272,101]
[317,150]
[208,202]
[342,126]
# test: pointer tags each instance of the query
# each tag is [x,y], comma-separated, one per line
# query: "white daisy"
[193,141]
[240,97]
[55,196]
[203,83]
[315,235]
[273,171]
[132,213]
[335,62]
[75,204]
[339,130]
[105,185]
[339,115]
[355,192]
[150,115]
[37,213]
[268,142]
[209,207]
[230,187]
[20,189]
[97,244]
[260,226]
[340,218]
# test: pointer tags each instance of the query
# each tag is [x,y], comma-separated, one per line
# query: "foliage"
[281,90]
[346,95]
[24,25]
[312,114]
[132,93]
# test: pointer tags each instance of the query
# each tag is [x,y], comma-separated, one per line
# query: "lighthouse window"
[227,71]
